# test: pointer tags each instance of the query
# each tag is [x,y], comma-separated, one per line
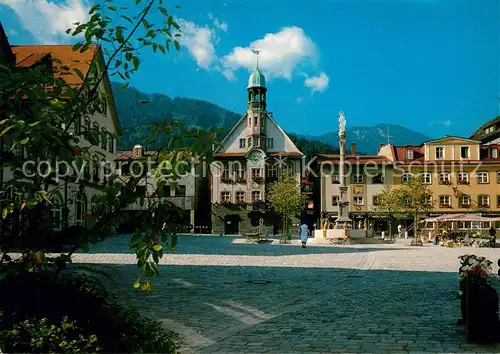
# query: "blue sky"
[429,65]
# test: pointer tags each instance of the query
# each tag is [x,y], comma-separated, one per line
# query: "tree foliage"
[39,111]
[389,204]
[416,200]
[286,199]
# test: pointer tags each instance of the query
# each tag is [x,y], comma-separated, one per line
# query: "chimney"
[353,149]
[144,150]
[137,151]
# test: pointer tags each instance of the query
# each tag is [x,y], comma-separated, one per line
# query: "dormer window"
[464,152]
[409,154]
[439,153]
[489,130]
[494,153]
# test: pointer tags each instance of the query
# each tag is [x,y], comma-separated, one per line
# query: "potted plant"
[241,179]
[226,179]
[257,179]
[479,300]
[463,181]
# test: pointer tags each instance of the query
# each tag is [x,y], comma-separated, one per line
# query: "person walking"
[304,234]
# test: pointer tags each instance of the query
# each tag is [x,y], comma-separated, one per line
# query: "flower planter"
[479,300]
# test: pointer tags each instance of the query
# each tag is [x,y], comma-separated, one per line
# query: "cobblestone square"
[223,296]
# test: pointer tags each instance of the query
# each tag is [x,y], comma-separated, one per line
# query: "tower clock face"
[256,157]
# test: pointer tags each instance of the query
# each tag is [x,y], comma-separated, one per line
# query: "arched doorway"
[232,224]
[56,212]
[81,209]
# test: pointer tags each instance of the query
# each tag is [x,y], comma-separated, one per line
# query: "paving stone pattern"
[233,298]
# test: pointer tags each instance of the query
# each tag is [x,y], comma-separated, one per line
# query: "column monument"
[343,221]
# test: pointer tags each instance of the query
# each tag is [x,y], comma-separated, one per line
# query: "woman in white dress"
[304,233]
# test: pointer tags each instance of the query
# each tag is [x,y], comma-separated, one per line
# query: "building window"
[464,201]
[335,200]
[409,154]
[240,197]
[104,139]
[287,168]
[256,173]
[225,197]
[439,153]
[140,191]
[255,196]
[378,179]
[256,141]
[358,179]
[463,178]
[464,152]
[249,142]
[335,178]
[180,190]
[494,153]
[358,201]
[56,212]
[498,201]
[483,177]
[272,169]
[444,201]
[111,144]
[255,121]
[426,177]
[225,171]
[444,178]
[376,200]
[81,209]
[406,177]
[95,134]
[428,200]
[270,143]
[498,177]
[489,130]
[242,143]
[483,201]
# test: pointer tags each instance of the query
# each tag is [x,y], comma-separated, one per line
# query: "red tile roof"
[335,158]
[28,55]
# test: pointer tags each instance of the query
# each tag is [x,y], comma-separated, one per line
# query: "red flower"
[77,153]
[154,240]
[476,268]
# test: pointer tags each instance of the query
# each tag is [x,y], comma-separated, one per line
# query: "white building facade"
[250,157]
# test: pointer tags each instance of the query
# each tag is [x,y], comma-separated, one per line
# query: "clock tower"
[256,111]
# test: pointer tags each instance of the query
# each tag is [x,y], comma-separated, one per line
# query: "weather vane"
[256,52]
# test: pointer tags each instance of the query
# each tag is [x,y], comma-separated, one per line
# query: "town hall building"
[252,156]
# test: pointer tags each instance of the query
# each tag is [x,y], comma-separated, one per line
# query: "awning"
[461,217]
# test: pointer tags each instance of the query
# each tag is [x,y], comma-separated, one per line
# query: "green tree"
[38,107]
[389,204]
[416,200]
[287,200]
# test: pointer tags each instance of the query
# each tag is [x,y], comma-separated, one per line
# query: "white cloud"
[46,20]
[218,23]
[199,41]
[446,123]
[282,53]
[300,99]
[317,83]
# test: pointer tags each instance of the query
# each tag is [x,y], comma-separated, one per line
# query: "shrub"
[92,310]
[39,336]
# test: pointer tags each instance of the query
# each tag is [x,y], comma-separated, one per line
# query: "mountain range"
[135,115]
